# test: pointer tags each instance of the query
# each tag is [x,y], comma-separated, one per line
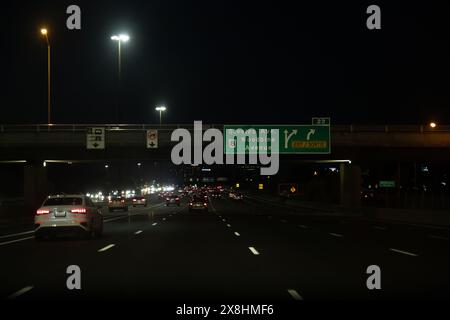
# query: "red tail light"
[78,210]
[41,212]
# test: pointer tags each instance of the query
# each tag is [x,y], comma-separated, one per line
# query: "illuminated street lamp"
[433,125]
[44,32]
[119,38]
[160,109]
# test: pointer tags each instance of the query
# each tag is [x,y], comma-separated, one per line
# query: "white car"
[68,214]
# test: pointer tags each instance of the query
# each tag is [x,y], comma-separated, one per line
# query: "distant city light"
[433,125]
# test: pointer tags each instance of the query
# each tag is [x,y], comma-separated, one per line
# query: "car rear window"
[66,201]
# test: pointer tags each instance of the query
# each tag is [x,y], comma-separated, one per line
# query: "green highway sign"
[320,121]
[387,184]
[297,139]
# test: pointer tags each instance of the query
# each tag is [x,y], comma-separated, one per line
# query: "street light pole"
[45,33]
[160,109]
[119,38]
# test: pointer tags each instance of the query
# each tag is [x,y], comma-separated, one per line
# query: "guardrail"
[142,127]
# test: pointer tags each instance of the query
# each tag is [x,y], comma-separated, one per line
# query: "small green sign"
[387,184]
[303,139]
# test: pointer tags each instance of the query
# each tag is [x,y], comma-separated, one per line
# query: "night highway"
[249,251]
[224,159]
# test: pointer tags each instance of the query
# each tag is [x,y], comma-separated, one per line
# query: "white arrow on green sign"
[303,139]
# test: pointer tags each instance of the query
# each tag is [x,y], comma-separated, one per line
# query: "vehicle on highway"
[173,199]
[117,203]
[198,203]
[235,195]
[68,214]
[139,201]
[216,195]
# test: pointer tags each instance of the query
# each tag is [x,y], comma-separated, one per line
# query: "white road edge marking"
[254,251]
[237,234]
[404,252]
[16,234]
[294,294]
[17,240]
[438,237]
[336,235]
[20,292]
[106,248]
[137,232]
[154,224]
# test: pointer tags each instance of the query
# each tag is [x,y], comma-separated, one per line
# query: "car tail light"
[78,210]
[41,212]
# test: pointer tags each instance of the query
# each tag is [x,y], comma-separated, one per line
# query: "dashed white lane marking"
[17,240]
[16,234]
[379,228]
[303,226]
[254,251]
[154,224]
[438,237]
[229,225]
[20,292]
[107,247]
[404,252]
[294,294]
[336,235]
[137,232]
[237,234]
[224,220]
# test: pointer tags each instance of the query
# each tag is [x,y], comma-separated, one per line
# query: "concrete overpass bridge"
[34,144]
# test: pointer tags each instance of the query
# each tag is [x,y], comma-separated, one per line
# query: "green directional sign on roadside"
[298,139]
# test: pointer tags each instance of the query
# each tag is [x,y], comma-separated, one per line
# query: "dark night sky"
[229,62]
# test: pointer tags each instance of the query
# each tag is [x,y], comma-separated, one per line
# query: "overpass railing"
[142,127]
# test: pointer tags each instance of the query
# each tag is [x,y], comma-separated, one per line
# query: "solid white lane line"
[294,294]
[237,234]
[254,251]
[17,240]
[303,226]
[16,234]
[20,292]
[154,224]
[106,248]
[137,232]
[336,235]
[379,228]
[404,252]
[438,237]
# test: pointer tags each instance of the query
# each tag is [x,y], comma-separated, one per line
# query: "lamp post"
[119,38]
[44,32]
[160,109]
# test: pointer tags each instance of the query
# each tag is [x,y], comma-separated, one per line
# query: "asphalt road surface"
[245,251]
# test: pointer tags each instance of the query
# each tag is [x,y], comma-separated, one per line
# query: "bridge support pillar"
[35,184]
[350,185]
